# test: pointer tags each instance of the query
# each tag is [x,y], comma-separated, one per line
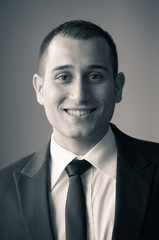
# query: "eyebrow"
[98,67]
[62,67]
[93,66]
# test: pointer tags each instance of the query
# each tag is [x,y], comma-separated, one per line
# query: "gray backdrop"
[134,26]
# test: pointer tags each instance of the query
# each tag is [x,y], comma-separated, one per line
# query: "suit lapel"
[33,195]
[134,180]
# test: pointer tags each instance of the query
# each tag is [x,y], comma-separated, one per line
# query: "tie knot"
[77,167]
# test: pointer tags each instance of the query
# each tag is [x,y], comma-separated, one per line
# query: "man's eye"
[95,77]
[63,77]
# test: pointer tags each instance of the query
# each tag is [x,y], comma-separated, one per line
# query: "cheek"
[50,103]
[52,95]
[105,94]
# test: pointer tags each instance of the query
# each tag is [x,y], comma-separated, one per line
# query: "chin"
[75,132]
[81,134]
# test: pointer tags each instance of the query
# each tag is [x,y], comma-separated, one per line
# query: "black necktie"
[76,224]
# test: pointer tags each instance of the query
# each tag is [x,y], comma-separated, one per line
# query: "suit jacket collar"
[135,175]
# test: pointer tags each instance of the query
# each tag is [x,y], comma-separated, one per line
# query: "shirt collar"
[102,156]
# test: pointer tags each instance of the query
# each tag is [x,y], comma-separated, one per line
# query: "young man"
[78,84]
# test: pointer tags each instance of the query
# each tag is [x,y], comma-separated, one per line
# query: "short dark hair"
[78,29]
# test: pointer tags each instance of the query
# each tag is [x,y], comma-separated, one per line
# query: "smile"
[78,113]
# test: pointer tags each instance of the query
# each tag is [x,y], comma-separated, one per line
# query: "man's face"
[78,90]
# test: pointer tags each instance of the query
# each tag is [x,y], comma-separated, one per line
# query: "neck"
[79,146]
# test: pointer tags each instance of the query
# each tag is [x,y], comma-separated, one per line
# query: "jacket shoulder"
[8,170]
[148,148]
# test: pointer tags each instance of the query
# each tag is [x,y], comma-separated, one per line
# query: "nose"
[80,91]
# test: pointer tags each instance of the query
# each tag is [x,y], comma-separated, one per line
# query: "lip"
[79,112]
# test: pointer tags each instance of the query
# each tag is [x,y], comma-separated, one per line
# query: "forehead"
[62,44]
[78,52]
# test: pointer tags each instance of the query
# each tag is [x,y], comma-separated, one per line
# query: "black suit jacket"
[24,194]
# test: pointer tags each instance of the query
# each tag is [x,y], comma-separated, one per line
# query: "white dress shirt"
[99,185]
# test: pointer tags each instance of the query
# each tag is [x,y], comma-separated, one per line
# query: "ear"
[38,86]
[119,84]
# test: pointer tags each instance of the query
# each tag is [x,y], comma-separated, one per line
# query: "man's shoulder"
[16,166]
[141,142]
[32,160]
[148,148]
[147,145]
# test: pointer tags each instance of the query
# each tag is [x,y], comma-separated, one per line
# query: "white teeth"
[78,113]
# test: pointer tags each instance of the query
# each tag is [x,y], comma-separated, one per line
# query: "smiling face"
[78,90]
